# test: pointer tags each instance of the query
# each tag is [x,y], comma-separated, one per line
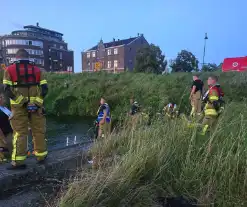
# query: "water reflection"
[58,129]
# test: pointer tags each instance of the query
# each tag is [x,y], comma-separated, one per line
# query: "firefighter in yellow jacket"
[212,100]
[26,88]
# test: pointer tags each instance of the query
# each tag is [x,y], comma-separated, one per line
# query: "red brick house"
[116,56]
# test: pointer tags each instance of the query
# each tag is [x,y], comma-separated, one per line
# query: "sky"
[173,25]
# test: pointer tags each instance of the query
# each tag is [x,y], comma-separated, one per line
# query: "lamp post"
[204,50]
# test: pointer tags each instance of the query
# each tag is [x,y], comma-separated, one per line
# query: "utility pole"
[204,50]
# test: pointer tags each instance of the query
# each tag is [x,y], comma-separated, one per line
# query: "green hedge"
[81,97]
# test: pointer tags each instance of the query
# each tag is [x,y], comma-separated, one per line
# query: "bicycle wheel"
[91,133]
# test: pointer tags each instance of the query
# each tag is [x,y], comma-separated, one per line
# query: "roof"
[116,43]
[38,27]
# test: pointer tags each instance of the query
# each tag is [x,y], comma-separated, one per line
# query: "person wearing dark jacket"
[196,96]
[5,131]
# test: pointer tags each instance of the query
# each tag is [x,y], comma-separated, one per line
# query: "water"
[60,128]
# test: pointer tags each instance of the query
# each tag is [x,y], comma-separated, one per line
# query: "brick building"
[46,48]
[116,56]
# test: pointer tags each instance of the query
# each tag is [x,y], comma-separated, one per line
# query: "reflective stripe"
[211,112]
[7,82]
[43,82]
[213,98]
[41,154]
[32,99]
[39,100]
[192,113]
[204,130]
[17,101]
[168,114]
[14,157]
[108,118]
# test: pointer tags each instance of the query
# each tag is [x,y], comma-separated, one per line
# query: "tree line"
[150,59]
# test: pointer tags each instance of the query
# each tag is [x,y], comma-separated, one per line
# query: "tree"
[185,62]
[149,59]
[210,67]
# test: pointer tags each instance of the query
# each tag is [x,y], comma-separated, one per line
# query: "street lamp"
[205,39]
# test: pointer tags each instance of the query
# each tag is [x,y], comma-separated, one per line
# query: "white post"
[75,140]
[67,142]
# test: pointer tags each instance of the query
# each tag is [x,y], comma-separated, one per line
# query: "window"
[61,55]
[24,42]
[115,63]
[93,54]
[88,55]
[109,52]
[109,64]
[61,46]
[115,51]
[37,61]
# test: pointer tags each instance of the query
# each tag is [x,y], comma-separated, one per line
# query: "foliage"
[185,62]
[140,165]
[149,59]
[211,67]
[152,91]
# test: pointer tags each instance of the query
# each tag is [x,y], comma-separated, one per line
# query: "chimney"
[37,24]
[113,39]
[118,40]
[138,34]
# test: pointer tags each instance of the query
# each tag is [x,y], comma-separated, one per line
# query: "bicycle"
[92,133]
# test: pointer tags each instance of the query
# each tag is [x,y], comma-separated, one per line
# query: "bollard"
[75,140]
[67,142]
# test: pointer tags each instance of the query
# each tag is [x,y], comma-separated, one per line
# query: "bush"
[152,91]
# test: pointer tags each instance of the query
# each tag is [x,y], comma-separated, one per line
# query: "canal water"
[65,131]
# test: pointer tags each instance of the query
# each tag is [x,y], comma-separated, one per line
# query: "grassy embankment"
[139,166]
[152,91]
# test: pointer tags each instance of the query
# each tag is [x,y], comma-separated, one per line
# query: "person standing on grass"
[212,107]
[196,96]
[104,118]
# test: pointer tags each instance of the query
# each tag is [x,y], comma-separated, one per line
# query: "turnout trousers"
[196,103]
[20,121]
[208,123]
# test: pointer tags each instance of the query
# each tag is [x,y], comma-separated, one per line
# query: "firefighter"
[135,107]
[137,115]
[5,131]
[26,88]
[221,98]
[212,101]
[104,118]
[196,97]
[170,110]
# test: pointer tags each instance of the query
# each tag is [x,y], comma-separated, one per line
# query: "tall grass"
[140,165]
